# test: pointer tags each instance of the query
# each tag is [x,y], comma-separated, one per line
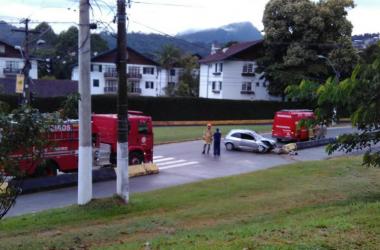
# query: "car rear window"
[247,137]
[236,135]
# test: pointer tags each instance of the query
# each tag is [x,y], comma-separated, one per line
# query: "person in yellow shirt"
[207,137]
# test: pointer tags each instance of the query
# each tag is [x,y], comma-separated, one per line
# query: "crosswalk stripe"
[170,162]
[157,157]
[164,159]
[179,165]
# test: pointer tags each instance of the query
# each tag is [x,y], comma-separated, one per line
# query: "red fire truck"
[285,125]
[62,152]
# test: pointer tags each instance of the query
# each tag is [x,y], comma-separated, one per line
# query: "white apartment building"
[145,77]
[229,73]
[12,62]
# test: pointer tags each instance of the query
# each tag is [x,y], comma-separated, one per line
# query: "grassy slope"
[181,133]
[330,204]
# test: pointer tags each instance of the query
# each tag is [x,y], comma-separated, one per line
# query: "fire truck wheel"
[51,169]
[135,158]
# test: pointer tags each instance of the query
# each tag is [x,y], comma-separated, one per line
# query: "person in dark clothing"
[217,138]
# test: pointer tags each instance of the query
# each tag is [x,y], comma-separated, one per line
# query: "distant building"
[361,42]
[145,76]
[229,73]
[12,62]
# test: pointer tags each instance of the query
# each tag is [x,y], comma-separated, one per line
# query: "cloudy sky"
[169,16]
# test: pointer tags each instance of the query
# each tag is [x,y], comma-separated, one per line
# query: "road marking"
[157,157]
[170,162]
[164,159]
[179,165]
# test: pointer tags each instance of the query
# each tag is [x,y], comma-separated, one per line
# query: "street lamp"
[337,76]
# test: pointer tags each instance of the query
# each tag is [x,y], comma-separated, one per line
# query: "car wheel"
[230,146]
[261,149]
[135,158]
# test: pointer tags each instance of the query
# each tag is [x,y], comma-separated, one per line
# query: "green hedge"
[176,108]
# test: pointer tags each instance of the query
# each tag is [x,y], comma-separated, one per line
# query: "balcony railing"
[109,90]
[134,90]
[248,74]
[134,76]
[110,74]
[247,92]
[11,71]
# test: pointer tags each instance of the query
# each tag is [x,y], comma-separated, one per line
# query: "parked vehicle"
[249,140]
[285,125]
[140,135]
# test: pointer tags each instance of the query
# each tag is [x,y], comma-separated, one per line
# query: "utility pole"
[27,64]
[122,177]
[85,134]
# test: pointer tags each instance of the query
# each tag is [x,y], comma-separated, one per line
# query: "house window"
[111,86]
[133,70]
[248,68]
[148,70]
[95,83]
[257,84]
[246,86]
[264,84]
[216,87]
[172,72]
[218,67]
[2,49]
[149,85]
[96,68]
[12,65]
[110,69]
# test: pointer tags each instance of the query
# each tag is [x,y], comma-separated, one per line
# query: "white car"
[249,140]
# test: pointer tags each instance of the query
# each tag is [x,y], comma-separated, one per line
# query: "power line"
[166,4]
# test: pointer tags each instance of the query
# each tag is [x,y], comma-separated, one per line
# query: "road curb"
[314,143]
[34,185]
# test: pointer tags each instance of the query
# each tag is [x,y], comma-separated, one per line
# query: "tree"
[22,131]
[168,57]
[59,54]
[296,32]
[45,51]
[189,78]
[359,95]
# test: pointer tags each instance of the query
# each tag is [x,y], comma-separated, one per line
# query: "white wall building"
[145,77]
[229,73]
[12,62]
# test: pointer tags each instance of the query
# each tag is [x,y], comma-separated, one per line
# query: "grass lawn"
[333,204]
[182,133]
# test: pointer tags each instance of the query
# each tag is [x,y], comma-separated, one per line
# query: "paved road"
[179,163]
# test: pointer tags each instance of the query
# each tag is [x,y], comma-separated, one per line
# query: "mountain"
[151,44]
[9,36]
[193,42]
[240,32]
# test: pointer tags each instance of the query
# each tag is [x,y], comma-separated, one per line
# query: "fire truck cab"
[140,135]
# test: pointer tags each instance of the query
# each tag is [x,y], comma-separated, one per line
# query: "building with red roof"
[229,73]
